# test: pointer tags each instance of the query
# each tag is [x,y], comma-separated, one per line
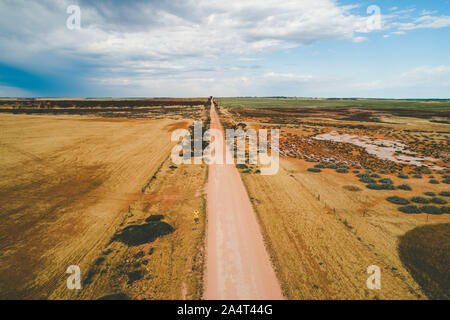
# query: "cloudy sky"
[174,48]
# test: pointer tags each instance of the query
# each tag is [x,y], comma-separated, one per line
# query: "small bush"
[446,181]
[366,179]
[417,176]
[331,166]
[386,180]
[430,194]
[434,181]
[397,200]
[409,209]
[355,171]
[444,193]
[420,200]
[320,166]
[431,210]
[438,201]
[382,186]
[404,187]
[445,210]
[374,175]
[314,170]
[341,170]
[403,176]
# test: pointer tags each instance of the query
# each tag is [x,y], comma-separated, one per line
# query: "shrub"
[374,175]
[331,166]
[403,176]
[444,193]
[404,187]
[355,171]
[409,209]
[386,180]
[445,210]
[341,170]
[434,181]
[417,176]
[431,210]
[314,170]
[439,201]
[397,200]
[382,186]
[320,166]
[430,194]
[447,181]
[367,179]
[420,200]
[241,166]
[382,171]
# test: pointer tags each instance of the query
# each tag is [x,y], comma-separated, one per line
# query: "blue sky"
[310,48]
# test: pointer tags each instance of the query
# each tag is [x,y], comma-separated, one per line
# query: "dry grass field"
[91,183]
[79,190]
[323,222]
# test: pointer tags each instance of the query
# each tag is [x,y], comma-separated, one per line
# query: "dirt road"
[237,263]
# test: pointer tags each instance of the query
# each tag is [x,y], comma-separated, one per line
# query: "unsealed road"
[237,263]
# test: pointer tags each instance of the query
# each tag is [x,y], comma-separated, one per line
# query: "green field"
[431,105]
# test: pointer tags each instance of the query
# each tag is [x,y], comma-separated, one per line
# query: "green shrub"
[403,176]
[397,200]
[380,186]
[445,210]
[341,170]
[444,193]
[430,210]
[420,200]
[434,181]
[355,171]
[404,187]
[438,201]
[430,194]
[417,176]
[447,181]
[320,166]
[314,170]
[386,180]
[409,209]
[367,179]
[331,166]
[374,175]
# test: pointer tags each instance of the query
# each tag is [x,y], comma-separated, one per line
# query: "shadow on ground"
[425,252]
[140,234]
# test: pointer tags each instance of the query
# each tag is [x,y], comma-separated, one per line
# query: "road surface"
[237,263]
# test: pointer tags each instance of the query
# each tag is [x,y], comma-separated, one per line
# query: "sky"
[193,48]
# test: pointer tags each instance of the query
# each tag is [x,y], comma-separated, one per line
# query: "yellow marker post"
[196,215]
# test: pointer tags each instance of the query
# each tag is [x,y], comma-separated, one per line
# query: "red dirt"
[237,263]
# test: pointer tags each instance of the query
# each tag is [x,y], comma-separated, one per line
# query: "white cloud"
[167,46]
[425,22]
[200,29]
